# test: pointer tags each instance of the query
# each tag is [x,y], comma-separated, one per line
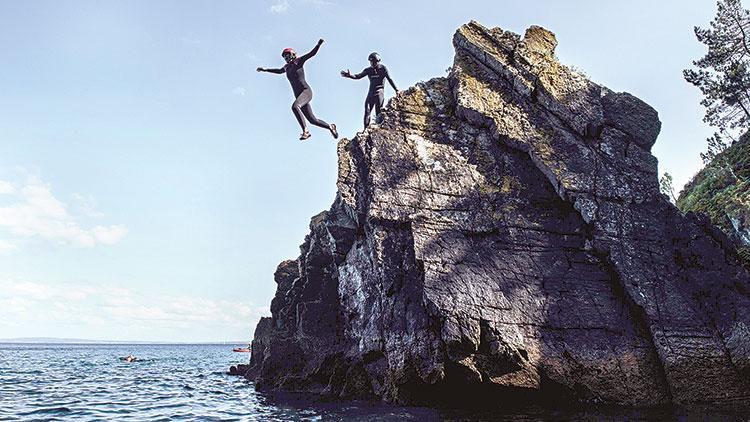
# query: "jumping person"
[295,72]
[377,73]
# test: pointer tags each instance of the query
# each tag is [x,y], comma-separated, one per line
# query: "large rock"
[501,235]
[632,116]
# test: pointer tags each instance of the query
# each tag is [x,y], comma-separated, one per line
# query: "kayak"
[241,350]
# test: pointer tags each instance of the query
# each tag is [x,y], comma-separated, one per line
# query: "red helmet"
[289,51]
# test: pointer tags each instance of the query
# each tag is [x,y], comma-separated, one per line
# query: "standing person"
[295,72]
[377,73]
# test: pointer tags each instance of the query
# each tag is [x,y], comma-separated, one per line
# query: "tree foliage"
[723,74]
[716,144]
[666,187]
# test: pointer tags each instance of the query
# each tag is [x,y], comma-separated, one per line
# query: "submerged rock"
[500,236]
[239,369]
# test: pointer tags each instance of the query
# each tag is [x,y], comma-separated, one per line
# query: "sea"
[173,382]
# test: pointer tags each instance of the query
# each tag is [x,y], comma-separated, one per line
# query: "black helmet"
[374,57]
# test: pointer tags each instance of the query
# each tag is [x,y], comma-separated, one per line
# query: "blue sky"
[151,180]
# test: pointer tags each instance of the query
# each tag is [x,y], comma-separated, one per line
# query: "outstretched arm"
[347,74]
[277,71]
[312,52]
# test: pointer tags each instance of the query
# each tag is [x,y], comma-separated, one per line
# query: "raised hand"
[320,41]
[260,69]
[346,73]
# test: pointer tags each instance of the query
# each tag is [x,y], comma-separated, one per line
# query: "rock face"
[501,235]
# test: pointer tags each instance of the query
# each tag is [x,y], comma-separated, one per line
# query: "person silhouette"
[377,73]
[303,94]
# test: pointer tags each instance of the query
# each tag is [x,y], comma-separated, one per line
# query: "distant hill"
[47,340]
[722,191]
[56,340]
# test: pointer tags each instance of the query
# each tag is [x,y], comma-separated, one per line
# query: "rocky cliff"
[501,235]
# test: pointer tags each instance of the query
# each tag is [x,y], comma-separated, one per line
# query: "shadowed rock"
[501,236]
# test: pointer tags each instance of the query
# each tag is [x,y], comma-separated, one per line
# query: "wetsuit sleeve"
[307,56]
[360,75]
[277,71]
[390,81]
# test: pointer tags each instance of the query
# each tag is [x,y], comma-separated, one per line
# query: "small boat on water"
[241,350]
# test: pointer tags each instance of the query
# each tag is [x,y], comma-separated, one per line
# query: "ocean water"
[189,382]
[171,382]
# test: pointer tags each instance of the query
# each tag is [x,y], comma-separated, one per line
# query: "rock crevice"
[501,235]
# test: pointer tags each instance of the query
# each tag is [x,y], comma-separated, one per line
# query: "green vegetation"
[723,74]
[666,188]
[722,190]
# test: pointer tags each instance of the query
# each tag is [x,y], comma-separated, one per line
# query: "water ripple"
[189,382]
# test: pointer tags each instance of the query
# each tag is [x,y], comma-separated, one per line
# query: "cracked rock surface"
[501,235]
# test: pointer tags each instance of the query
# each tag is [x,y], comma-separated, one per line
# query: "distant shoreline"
[44,340]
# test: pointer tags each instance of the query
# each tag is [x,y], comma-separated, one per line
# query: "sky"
[151,180]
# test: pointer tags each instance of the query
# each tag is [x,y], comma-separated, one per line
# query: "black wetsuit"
[303,94]
[375,95]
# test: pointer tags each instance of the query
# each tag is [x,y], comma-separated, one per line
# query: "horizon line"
[64,340]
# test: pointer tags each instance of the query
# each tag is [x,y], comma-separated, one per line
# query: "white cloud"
[35,213]
[7,247]
[109,235]
[319,3]
[39,291]
[279,6]
[283,6]
[240,91]
[6,188]
[86,205]
[81,305]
